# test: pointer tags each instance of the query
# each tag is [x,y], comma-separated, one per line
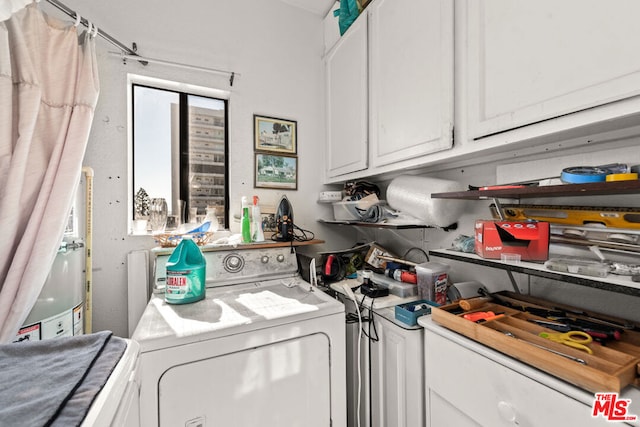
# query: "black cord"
[302,237]
[299,235]
[372,337]
[406,254]
[371,322]
[353,318]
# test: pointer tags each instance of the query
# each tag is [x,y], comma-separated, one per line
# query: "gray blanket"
[54,382]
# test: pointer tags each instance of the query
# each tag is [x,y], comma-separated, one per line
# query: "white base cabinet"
[396,374]
[469,384]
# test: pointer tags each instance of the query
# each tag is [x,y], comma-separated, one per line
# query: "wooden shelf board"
[375,224]
[566,190]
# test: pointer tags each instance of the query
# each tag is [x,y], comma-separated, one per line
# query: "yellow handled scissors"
[575,339]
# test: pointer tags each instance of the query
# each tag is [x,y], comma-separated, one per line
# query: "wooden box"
[613,365]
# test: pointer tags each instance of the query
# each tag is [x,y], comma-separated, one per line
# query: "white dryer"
[263,348]
[117,404]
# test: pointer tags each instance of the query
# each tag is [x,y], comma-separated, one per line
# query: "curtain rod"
[128,53]
[145,59]
[72,14]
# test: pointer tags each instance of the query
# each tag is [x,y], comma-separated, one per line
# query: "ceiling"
[317,7]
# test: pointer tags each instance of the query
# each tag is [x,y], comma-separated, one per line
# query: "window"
[178,147]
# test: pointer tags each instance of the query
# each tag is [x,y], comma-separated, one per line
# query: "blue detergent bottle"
[186,272]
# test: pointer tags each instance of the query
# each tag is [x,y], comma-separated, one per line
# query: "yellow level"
[572,215]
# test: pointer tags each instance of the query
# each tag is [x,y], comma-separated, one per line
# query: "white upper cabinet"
[528,62]
[411,79]
[347,97]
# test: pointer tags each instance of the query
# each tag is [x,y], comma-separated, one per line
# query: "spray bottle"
[245,221]
[257,234]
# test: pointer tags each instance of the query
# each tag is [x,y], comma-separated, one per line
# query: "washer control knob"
[233,263]
[280,258]
[264,259]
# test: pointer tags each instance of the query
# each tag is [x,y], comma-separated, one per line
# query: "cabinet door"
[411,78]
[533,61]
[397,387]
[442,413]
[346,90]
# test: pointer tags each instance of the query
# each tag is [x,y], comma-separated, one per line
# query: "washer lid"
[231,310]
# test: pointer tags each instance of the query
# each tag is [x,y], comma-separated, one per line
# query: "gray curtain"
[48,93]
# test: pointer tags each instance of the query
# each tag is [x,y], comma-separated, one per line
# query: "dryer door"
[285,383]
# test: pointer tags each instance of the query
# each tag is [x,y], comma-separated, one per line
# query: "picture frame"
[275,135]
[276,171]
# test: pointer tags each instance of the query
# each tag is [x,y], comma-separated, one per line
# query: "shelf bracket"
[496,202]
[513,281]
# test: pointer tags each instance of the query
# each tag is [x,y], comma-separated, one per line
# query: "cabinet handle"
[507,411]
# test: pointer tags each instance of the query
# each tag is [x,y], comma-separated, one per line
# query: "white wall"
[276,49]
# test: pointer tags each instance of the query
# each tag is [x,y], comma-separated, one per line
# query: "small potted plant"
[141,202]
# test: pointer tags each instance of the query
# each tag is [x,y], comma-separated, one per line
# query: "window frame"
[183,90]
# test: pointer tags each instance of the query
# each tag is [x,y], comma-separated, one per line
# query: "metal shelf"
[612,283]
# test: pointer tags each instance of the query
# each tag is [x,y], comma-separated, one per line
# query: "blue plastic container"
[408,313]
[186,272]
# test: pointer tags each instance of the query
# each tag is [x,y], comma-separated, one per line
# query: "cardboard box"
[372,257]
[528,239]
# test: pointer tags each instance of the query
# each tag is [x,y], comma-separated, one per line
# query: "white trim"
[175,86]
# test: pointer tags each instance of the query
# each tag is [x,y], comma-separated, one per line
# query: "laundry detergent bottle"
[186,272]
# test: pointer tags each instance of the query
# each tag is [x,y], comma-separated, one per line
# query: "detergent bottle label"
[177,283]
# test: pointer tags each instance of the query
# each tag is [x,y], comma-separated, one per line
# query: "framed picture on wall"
[276,171]
[277,135]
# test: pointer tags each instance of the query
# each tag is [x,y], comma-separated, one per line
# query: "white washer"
[253,352]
